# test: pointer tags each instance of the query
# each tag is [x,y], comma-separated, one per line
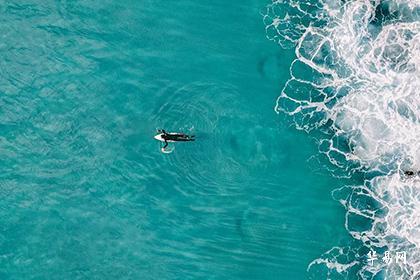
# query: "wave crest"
[356,77]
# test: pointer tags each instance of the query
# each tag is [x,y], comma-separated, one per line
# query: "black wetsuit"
[176,137]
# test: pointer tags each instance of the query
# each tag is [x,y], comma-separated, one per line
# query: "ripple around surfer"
[356,77]
[208,111]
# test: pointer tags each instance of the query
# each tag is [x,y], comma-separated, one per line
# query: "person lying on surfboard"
[172,137]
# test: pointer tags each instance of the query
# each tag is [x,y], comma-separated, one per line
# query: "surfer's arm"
[161,131]
[166,144]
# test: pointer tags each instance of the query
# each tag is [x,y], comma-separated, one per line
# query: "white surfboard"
[167,150]
[159,137]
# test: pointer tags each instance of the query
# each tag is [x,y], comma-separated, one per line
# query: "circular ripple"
[212,113]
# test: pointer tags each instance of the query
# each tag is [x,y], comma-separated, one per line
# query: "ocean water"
[354,84]
[85,192]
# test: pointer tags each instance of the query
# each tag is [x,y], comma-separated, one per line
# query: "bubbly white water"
[357,74]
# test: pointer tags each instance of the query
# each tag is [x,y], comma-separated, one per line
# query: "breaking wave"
[355,83]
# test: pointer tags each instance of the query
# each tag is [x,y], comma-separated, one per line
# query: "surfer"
[173,137]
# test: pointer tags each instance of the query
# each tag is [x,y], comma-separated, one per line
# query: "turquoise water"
[85,192]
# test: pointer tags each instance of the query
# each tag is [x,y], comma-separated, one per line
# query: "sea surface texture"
[301,143]
[355,85]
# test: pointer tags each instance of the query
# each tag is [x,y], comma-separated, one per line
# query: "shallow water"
[85,192]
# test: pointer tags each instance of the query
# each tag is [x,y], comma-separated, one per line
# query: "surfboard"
[159,138]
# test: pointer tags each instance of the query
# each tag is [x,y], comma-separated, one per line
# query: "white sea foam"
[357,73]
